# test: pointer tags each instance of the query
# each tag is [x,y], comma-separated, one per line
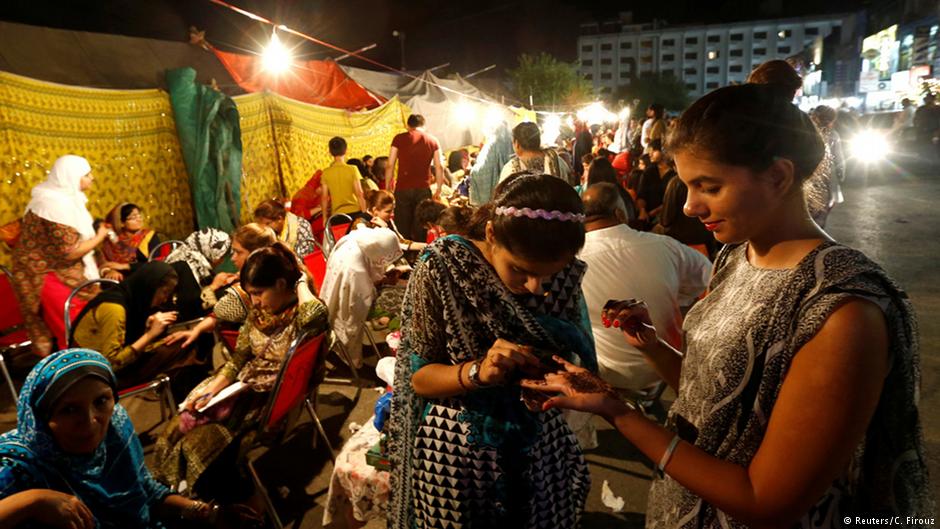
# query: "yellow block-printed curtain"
[128,136]
[302,133]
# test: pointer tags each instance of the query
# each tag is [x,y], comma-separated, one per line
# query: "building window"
[713,70]
[783,50]
[626,45]
[668,73]
[712,55]
[691,41]
[587,62]
[759,51]
[691,56]
[669,57]
[760,35]
[736,53]
[811,31]
[587,48]
[712,85]
[647,44]
[735,68]
[714,38]
[605,76]
[589,76]
[607,47]
[736,37]
[646,60]
[691,86]
[669,42]
[624,60]
[785,33]
[606,62]
[624,75]
[690,71]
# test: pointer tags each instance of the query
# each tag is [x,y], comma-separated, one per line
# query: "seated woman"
[380,205]
[283,307]
[357,263]
[231,308]
[74,459]
[479,312]
[123,324]
[194,262]
[292,230]
[133,245]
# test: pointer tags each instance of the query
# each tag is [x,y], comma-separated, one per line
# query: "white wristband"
[667,455]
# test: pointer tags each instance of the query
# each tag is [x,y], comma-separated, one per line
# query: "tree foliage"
[552,83]
[666,90]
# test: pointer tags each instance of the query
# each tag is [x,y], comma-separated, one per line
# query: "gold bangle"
[460,377]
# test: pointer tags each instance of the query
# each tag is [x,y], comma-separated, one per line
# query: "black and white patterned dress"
[741,340]
[482,460]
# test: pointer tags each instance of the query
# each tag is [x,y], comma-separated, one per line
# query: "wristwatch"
[474,375]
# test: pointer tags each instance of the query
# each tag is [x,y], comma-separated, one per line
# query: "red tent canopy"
[320,83]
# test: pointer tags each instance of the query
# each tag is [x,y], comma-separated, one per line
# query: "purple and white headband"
[543,214]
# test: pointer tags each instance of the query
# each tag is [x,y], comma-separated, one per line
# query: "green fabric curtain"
[207,124]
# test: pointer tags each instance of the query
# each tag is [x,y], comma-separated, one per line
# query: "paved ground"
[893,220]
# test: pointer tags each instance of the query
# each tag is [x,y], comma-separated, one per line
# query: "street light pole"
[401,40]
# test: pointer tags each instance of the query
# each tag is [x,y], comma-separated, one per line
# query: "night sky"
[468,34]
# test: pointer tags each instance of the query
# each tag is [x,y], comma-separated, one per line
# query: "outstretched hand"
[632,317]
[580,390]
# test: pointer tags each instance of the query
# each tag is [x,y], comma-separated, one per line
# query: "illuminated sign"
[880,53]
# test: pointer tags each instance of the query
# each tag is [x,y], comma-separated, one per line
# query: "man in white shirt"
[624,264]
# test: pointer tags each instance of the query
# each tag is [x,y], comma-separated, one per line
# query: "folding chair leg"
[6,376]
[355,381]
[375,347]
[320,430]
[168,396]
[272,514]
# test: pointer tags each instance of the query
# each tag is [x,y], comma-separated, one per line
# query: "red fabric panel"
[10,315]
[316,265]
[295,379]
[320,83]
[53,296]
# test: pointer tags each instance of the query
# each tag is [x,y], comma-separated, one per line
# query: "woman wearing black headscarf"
[123,324]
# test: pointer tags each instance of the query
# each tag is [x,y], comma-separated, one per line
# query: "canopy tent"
[321,83]
[457,112]
[103,61]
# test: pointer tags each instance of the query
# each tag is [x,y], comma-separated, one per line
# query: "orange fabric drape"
[320,83]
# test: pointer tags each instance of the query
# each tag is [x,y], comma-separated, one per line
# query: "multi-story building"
[704,57]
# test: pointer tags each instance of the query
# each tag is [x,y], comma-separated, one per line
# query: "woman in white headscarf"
[357,262]
[56,249]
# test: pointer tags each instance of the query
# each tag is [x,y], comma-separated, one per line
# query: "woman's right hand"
[62,511]
[157,323]
[632,317]
[212,389]
[503,359]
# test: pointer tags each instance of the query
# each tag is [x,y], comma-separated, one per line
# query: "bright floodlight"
[870,146]
[595,113]
[492,119]
[463,113]
[624,113]
[276,58]
[551,129]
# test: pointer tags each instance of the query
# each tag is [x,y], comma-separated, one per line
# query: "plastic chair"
[293,386]
[158,253]
[13,334]
[160,385]
[336,227]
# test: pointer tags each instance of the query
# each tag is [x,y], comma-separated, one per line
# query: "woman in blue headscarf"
[74,459]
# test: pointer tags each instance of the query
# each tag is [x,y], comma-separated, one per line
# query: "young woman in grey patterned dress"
[797,390]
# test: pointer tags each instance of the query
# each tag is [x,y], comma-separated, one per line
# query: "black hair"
[378,166]
[272,209]
[415,121]
[602,200]
[533,239]
[427,212]
[656,145]
[779,74]
[528,136]
[357,163]
[266,265]
[126,211]
[455,219]
[366,158]
[455,160]
[337,146]
[658,110]
[749,126]
[601,170]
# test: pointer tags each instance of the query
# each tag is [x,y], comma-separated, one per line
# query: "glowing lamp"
[276,58]
[870,146]
[551,129]
[463,113]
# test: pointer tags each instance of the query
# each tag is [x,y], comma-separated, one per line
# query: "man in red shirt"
[415,151]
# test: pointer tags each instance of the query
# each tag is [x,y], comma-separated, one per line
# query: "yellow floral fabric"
[302,132]
[128,136]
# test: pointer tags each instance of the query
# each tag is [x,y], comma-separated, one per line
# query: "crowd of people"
[684,252]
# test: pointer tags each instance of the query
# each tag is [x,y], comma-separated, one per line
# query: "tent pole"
[277,152]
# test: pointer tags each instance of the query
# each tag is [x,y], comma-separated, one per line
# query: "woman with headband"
[479,313]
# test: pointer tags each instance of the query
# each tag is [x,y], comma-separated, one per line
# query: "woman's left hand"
[580,390]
